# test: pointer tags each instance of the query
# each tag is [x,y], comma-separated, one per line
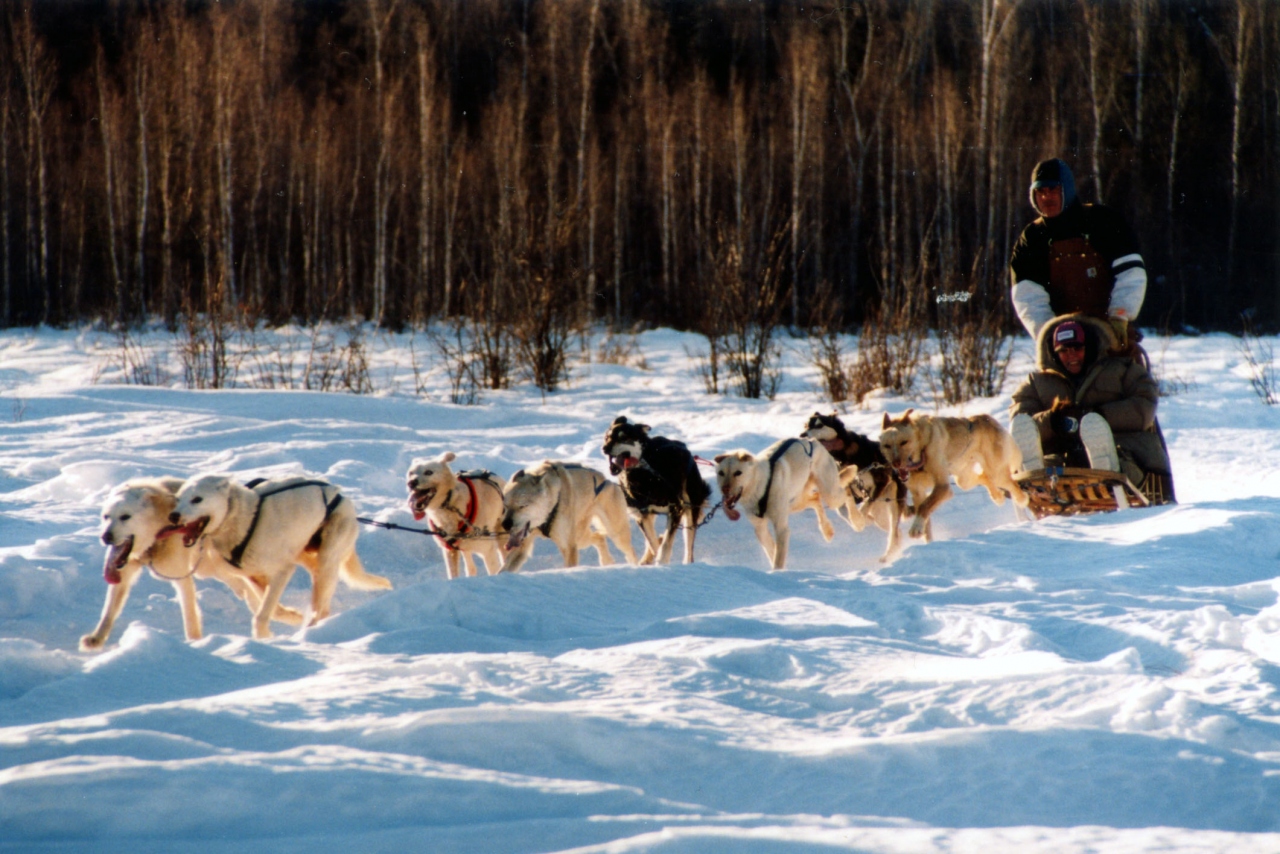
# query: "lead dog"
[266,530]
[562,502]
[927,450]
[657,475]
[874,493]
[135,531]
[788,476]
[464,511]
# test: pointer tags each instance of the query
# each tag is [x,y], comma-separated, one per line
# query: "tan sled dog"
[788,476]
[927,450]
[266,530]
[135,526]
[569,504]
[465,512]
[874,500]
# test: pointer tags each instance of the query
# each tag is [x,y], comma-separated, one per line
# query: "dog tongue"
[630,462]
[733,515]
[116,556]
[517,537]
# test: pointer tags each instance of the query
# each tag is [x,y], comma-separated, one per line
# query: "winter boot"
[1026,435]
[1099,444]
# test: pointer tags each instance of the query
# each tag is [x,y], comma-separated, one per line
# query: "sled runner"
[1063,491]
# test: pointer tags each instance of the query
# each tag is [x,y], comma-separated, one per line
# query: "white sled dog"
[268,528]
[569,504]
[788,476]
[464,510]
[135,530]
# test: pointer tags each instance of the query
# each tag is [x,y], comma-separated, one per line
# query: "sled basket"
[1059,491]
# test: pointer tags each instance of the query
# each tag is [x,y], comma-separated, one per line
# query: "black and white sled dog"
[864,473]
[269,528]
[788,476]
[569,504]
[658,475]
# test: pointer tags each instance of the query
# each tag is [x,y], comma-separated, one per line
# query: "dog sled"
[1066,491]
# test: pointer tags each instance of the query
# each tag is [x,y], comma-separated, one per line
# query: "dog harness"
[468,521]
[773,458]
[545,527]
[237,554]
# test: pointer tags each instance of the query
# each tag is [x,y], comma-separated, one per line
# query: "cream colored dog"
[927,451]
[135,531]
[268,529]
[569,504]
[465,512]
[787,477]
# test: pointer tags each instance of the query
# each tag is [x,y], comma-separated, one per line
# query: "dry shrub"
[331,367]
[618,348]
[750,296]
[1260,359]
[140,365]
[827,349]
[976,349]
[455,346]
[889,349]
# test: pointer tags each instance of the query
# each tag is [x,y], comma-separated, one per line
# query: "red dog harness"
[468,518]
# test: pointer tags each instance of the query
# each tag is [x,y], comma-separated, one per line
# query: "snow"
[1101,683]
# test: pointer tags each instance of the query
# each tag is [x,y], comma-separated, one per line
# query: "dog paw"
[89,643]
[917,529]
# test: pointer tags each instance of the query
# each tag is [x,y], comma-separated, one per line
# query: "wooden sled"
[1062,491]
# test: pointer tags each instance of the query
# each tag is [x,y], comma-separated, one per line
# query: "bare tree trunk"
[224,92]
[619,234]
[799,120]
[426,117]
[379,20]
[106,134]
[6,273]
[142,102]
[1141,14]
[36,76]
[587,281]
[1245,27]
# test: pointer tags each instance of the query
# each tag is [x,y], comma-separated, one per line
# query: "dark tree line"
[401,160]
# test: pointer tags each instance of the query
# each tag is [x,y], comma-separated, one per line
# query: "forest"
[655,162]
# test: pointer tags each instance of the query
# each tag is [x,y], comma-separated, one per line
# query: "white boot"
[1099,444]
[1026,435]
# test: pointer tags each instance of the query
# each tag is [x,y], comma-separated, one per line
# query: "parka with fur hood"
[1118,388]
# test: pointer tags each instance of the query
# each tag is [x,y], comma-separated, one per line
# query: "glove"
[1064,425]
[1065,417]
[1124,344]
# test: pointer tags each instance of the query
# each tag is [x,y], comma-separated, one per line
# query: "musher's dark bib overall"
[1080,279]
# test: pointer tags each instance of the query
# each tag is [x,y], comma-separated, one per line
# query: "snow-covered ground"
[1104,683]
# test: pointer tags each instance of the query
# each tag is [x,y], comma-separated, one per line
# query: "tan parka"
[1118,388]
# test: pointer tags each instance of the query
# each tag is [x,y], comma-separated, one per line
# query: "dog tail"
[353,573]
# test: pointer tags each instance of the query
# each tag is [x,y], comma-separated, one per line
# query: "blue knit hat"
[1053,173]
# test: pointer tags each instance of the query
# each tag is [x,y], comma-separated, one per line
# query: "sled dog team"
[253,536]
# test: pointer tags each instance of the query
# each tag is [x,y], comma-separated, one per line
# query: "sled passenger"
[1088,408]
[1076,258]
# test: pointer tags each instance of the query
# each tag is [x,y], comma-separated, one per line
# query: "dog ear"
[907,415]
[720,457]
[644,427]
[884,425]
[621,419]
[519,474]
[448,457]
